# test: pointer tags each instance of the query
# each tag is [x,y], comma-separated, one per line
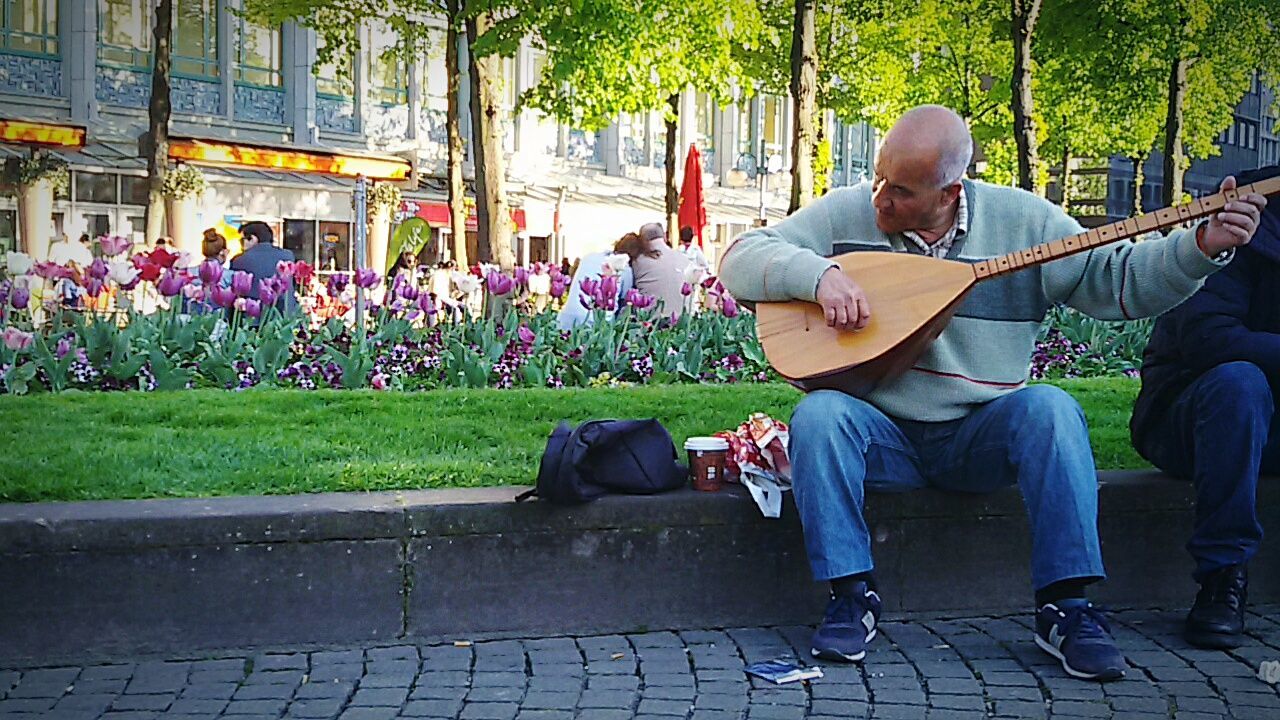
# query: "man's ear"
[952,192]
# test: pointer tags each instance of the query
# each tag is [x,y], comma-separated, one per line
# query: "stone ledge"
[102,578]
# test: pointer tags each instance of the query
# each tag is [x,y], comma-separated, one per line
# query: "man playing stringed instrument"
[962,418]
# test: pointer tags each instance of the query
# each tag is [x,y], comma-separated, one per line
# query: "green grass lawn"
[91,446]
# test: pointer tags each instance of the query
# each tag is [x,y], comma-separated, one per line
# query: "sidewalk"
[967,668]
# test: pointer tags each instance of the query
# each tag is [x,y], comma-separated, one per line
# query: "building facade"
[87,63]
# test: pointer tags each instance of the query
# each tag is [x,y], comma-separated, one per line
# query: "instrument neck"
[1123,230]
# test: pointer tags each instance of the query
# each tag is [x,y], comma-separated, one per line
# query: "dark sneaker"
[847,627]
[1077,634]
[1216,621]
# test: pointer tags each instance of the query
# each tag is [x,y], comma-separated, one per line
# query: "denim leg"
[839,446]
[1216,434]
[1036,437]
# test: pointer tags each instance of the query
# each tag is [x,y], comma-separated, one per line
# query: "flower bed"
[151,322]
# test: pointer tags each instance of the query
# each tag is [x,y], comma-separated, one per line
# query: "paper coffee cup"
[707,457]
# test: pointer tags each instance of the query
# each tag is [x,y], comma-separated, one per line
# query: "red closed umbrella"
[693,213]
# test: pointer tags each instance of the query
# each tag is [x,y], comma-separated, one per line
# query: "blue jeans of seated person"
[1036,437]
[1220,434]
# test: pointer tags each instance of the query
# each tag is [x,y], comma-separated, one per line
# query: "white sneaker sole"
[1045,646]
[832,655]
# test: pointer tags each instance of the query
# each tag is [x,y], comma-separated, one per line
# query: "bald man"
[963,419]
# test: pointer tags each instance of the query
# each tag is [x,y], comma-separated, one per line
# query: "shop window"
[300,238]
[133,190]
[335,247]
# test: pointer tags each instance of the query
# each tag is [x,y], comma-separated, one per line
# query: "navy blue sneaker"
[1077,634]
[847,627]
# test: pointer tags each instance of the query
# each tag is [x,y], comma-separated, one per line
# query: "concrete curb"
[108,578]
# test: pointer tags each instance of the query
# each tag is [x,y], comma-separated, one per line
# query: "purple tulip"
[590,286]
[242,283]
[730,307]
[113,245]
[171,284]
[21,298]
[337,283]
[521,277]
[99,269]
[278,284]
[367,278]
[639,300]
[249,307]
[405,289]
[426,305]
[223,297]
[609,292]
[498,283]
[94,286]
[525,335]
[266,294]
[686,289]
[63,348]
[210,273]
[559,283]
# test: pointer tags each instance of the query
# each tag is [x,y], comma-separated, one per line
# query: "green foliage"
[204,443]
[184,181]
[39,165]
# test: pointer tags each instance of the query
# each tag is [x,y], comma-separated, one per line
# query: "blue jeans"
[1219,434]
[1036,437]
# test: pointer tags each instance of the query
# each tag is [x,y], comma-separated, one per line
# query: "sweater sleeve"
[1210,327]
[783,261]
[1125,280]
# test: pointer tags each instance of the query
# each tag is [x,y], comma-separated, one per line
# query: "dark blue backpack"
[607,456]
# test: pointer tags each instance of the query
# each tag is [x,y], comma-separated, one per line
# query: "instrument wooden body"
[913,297]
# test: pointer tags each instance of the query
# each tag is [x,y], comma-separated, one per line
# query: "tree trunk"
[492,214]
[804,97]
[457,191]
[1066,176]
[158,112]
[1174,152]
[1025,14]
[673,191]
[1139,178]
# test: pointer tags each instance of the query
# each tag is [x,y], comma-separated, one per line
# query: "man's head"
[256,232]
[686,235]
[650,232]
[919,167]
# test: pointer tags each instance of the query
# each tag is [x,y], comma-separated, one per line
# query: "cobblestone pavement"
[967,668]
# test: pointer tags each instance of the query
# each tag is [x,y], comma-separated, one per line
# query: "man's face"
[905,193]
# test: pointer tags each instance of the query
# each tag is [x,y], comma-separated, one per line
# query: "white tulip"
[18,263]
[123,272]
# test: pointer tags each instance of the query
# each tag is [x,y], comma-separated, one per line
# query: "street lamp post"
[362,229]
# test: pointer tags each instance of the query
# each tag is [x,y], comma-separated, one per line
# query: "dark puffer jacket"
[1235,316]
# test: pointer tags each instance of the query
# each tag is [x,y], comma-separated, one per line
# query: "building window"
[134,190]
[435,88]
[95,187]
[331,83]
[30,26]
[1251,136]
[124,34]
[259,59]
[389,79]
[195,38]
[705,123]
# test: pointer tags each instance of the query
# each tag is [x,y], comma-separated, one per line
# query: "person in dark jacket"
[1206,413]
[261,258]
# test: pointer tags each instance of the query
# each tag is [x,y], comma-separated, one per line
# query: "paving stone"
[324,689]
[255,707]
[380,697]
[264,692]
[496,694]
[653,706]
[308,708]
[607,699]
[489,711]
[1018,709]
[368,713]
[143,702]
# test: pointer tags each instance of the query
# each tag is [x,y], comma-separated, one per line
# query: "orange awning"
[237,155]
[37,133]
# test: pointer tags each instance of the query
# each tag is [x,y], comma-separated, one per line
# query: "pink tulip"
[113,245]
[249,307]
[51,271]
[367,278]
[559,283]
[98,269]
[686,289]
[266,294]
[525,335]
[521,277]
[284,268]
[426,305]
[378,382]
[16,339]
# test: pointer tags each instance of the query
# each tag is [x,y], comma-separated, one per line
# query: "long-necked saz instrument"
[913,297]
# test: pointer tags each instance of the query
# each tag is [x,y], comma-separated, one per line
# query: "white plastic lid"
[706,443]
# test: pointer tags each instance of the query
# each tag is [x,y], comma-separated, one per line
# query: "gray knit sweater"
[985,351]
